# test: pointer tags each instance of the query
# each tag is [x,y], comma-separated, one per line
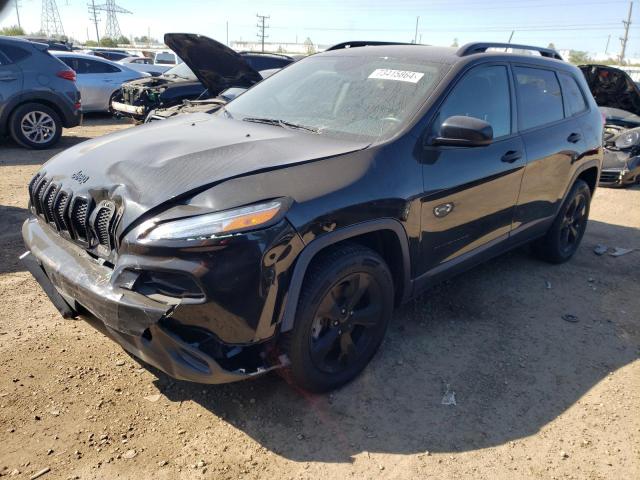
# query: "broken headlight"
[211,225]
[628,139]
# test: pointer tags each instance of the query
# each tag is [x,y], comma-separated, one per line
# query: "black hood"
[612,87]
[216,65]
[147,166]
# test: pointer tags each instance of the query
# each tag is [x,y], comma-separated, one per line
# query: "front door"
[470,192]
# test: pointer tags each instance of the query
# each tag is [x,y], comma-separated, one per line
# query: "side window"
[70,62]
[3,60]
[483,93]
[574,102]
[539,97]
[13,53]
[92,66]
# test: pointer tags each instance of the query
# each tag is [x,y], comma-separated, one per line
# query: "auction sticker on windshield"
[399,75]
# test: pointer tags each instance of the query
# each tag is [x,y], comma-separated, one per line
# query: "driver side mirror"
[464,131]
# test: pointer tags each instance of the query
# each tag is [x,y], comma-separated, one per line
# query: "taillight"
[67,75]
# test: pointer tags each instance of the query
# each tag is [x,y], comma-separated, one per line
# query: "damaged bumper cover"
[82,286]
[137,110]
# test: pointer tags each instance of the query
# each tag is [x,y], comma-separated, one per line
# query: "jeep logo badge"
[80,177]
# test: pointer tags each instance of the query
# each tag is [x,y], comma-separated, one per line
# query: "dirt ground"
[536,396]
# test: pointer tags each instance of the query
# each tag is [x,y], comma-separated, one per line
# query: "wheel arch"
[385,236]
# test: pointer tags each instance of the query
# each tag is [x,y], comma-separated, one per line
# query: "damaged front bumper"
[619,169]
[136,110]
[81,286]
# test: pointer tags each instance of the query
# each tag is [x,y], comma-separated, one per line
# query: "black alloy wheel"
[342,315]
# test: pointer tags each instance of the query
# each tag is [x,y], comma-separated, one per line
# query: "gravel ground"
[535,396]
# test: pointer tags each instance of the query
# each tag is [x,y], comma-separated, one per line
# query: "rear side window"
[483,93]
[13,53]
[574,102]
[539,97]
[85,66]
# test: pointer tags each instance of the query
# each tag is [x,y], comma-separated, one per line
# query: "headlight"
[627,139]
[202,227]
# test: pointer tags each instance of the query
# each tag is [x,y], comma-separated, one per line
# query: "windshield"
[352,97]
[181,70]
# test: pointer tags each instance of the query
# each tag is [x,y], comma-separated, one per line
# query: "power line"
[625,39]
[17,4]
[262,28]
[94,17]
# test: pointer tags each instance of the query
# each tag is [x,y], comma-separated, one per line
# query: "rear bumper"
[80,286]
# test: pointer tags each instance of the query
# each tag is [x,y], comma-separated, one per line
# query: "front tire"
[563,238]
[35,126]
[343,312]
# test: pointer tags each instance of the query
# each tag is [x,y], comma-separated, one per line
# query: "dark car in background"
[209,68]
[281,231]
[38,94]
[618,97]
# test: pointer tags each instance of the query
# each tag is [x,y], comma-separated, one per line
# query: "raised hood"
[216,65]
[612,87]
[144,167]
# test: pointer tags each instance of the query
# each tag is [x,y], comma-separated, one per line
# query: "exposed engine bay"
[619,100]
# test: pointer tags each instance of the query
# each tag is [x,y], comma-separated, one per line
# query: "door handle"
[7,78]
[511,156]
[574,138]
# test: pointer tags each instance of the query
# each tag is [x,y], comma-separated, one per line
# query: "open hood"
[216,65]
[612,87]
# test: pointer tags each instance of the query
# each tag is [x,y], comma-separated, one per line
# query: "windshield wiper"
[281,123]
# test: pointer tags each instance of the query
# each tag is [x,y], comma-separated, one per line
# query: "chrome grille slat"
[60,208]
[48,202]
[79,214]
[103,218]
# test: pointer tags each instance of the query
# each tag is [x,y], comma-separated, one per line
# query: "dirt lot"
[536,396]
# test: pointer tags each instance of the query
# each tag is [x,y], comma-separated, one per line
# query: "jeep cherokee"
[281,231]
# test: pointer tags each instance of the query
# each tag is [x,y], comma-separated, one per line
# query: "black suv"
[282,230]
[38,94]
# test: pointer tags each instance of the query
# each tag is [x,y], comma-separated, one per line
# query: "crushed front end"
[621,165]
[139,97]
[205,311]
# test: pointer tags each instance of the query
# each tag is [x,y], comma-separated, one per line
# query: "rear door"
[553,138]
[11,77]
[96,81]
[471,192]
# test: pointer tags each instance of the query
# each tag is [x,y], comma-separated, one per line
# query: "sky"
[569,24]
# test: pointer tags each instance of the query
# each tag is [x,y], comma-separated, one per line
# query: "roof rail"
[363,43]
[480,47]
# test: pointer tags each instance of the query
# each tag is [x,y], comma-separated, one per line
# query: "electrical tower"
[625,39]
[50,23]
[262,28]
[113,27]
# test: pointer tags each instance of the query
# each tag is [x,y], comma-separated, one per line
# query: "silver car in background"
[99,80]
[144,64]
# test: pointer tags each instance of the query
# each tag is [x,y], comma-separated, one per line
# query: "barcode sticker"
[398,75]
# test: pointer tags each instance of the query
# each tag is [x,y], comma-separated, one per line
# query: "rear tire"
[343,312]
[35,126]
[563,238]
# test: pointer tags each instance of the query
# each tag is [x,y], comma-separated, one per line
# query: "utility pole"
[625,39]
[94,17]
[18,12]
[606,49]
[227,33]
[262,28]
[415,35]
